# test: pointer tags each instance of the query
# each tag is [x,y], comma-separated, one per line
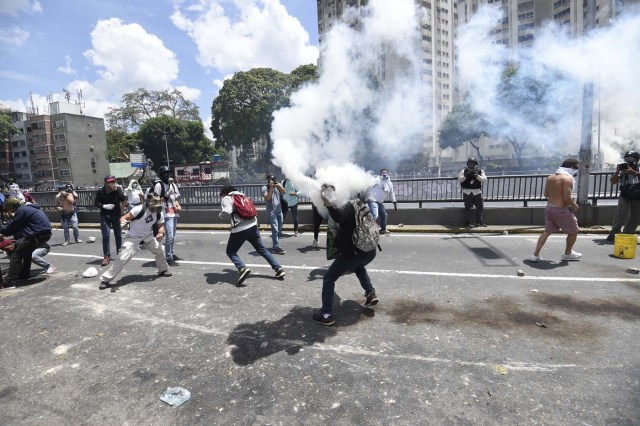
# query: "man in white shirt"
[169,193]
[140,234]
[376,196]
[471,179]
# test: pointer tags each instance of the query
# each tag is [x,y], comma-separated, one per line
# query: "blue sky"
[110,47]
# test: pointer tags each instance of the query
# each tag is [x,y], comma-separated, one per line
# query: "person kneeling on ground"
[560,210]
[244,227]
[31,228]
[8,246]
[141,220]
[349,256]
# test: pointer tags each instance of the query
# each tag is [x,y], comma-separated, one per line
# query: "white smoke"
[353,113]
[608,57]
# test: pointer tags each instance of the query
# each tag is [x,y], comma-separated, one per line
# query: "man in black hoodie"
[30,228]
[108,199]
[349,257]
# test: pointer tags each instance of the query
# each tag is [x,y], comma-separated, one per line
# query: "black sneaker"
[280,273]
[242,275]
[165,274]
[103,285]
[277,250]
[320,319]
[372,300]
[176,257]
[481,225]
[610,238]
[172,263]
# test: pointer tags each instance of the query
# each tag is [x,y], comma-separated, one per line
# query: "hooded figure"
[134,194]
[15,192]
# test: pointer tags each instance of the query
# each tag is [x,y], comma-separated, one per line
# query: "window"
[63,160]
[37,125]
[58,123]
[61,148]
[526,15]
[561,14]
[65,172]
[59,137]
[16,155]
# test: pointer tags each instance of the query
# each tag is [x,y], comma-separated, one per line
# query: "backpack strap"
[139,215]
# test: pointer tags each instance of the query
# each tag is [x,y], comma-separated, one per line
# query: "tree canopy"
[463,124]
[120,144]
[142,105]
[243,111]
[7,128]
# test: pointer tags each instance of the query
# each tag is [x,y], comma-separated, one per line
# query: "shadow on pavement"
[316,274]
[545,265]
[227,276]
[131,279]
[292,332]
[307,249]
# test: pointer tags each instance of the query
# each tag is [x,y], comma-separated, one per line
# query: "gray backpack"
[365,233]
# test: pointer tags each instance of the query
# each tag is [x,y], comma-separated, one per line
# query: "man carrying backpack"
[356,242]
[169,193]
[244,227]
[140,235]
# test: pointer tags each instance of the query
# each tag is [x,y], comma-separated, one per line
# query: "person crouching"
[140,234]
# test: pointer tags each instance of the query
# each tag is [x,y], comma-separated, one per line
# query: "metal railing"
[522,188]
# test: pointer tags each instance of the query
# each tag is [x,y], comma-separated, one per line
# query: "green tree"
[185,141]
[243,110]
[463,124]
[142,105]
[120,144]
[7,129]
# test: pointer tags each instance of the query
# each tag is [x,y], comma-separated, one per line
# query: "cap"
[5,243]
[110,178]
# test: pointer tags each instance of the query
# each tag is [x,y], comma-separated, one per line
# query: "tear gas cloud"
[349,115]
[608,57]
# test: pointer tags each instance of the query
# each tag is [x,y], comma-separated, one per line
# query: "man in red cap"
[108,199]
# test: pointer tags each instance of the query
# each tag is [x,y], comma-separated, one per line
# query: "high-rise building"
[61,147]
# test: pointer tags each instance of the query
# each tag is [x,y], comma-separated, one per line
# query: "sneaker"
[385,232]
[535,258]
[277,250]
[314,244]
[66,243]
[78,240]
[482,225]
[242,275]
[573,256]
[372,300]
[172,263]
[280,273]
[51,269]
[321,319]
[467,225]
[165,273]
[295,234]
[103,285]
[176,257]
[106,261]
[610,238]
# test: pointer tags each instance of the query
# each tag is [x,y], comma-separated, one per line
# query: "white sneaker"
[79,240]
[535,258]
[314,243]
[295,234]
[51,269]
[573,256]
[66,243]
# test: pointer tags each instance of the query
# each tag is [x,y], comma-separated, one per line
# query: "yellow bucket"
[625,245]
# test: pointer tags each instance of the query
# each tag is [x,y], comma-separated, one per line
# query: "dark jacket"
[28,221]
[345,217]
[106,195]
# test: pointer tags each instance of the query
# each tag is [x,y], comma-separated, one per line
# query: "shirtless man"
[560,210]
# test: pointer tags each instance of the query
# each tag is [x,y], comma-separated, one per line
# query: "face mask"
[134,186]
[385,176]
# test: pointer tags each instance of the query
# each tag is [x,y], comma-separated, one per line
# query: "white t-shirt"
[135,196]
[143,227]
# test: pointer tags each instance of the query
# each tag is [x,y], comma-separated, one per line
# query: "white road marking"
[387,271]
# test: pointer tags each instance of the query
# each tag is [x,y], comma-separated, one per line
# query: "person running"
[140,235]
[108,200]
[560,210]
[244,227]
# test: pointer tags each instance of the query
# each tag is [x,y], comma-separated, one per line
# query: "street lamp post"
[166,147]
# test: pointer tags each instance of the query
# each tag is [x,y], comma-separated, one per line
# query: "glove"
[108,206]
[395,206]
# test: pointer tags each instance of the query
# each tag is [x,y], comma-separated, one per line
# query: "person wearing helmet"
[471,179]
[628,211]
[141,220]
[30,228]
[169,194]
[108,199]
[66,205]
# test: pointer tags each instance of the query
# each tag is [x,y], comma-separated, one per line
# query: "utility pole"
[586,155]
[166,147]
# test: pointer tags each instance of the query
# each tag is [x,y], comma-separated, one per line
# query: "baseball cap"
[110,178]
[4,244]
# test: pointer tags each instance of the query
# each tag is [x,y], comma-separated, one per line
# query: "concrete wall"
[532,216]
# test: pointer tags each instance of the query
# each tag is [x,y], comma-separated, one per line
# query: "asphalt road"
[458,337]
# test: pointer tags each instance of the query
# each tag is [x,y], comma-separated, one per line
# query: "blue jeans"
[39,253]
[340,266]
[275,220]
[378,210]
[67,219]
[106,223]
[169,236]
[237,239]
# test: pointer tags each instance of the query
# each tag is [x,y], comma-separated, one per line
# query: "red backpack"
[243,206]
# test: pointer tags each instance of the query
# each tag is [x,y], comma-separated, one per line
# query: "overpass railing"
[419,191]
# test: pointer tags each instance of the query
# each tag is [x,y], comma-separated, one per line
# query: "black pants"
[317,220]
[471,200]
[20,258]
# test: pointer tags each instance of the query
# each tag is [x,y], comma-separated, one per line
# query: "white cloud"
[14,7]
[190,93]
[14,36]
[67,66]
[257,33]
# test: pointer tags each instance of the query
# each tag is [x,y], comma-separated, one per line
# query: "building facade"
[61,147]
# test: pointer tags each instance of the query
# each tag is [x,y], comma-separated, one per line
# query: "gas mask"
[164,177]
[134,185]
[153,203]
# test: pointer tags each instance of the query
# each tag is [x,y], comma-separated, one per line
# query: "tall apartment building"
[438,27]
[61,147]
